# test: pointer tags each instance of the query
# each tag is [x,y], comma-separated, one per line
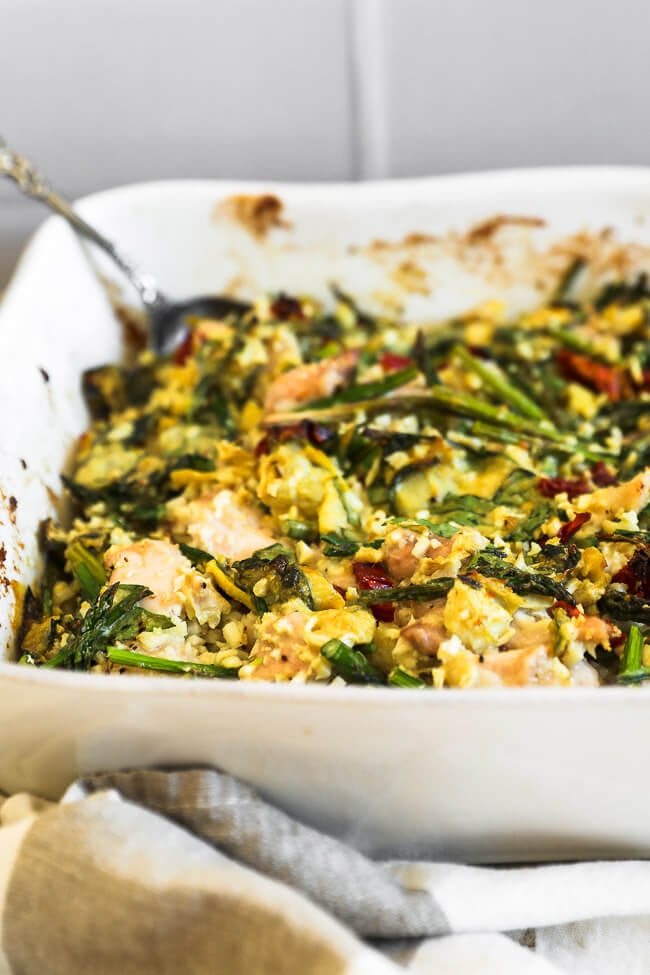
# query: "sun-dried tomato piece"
[567,607]
[571,527]
[479,352]
[550,486]
[602,475]
[391,362]
[636,573]
[184,350]
[383,612]
[294,431]
[263,446]
[287,309]
[589,372]
[372,575]
[316,433]
[627,578]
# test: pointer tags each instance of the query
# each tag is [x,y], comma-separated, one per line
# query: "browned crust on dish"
[416,239]
[410,240]
[19,618]
[486,229]
[411,277]
[12,504]
[239,286]
[258,214]
[501,251]
[134,333]
[5,582]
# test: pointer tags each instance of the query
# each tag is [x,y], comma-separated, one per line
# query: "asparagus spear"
[631,670]
[400,678]
[522,582]
[568,445]
[367,391]
[624,535]
[494,380]
[463,405]
[621,606]
[87,569]
[577,343]
[114,615]
[351,664]
[568,279]
[422,593]
[129,658]
[197,556]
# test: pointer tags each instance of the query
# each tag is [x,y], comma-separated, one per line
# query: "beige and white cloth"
[190,872]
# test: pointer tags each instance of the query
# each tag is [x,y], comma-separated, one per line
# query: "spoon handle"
[22,171]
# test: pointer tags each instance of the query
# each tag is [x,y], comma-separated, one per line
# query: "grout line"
[366,64]
[352,78]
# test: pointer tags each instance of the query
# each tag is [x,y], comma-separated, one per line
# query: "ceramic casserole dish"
[480,775]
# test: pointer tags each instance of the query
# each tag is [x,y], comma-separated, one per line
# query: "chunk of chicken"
[529,655]
[609,503]
[428,632]
[311,381]
[595,632]
[584,675]
[288,647]
[518,668]
[583,634]
[530,633]
[220,523]
[526,657]
[423,555]
[176,586]
[281,649]
[404,549]
[157,564]
[477,617]
[577,634]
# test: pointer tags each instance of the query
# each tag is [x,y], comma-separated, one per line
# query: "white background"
[102,92]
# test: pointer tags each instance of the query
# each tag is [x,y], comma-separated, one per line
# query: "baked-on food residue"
[319,495]
[257,213]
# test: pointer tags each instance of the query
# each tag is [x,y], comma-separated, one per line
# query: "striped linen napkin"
[191,872]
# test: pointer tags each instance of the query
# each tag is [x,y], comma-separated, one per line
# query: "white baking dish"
[476,775]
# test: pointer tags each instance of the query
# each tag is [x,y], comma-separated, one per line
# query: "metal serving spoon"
[166,318]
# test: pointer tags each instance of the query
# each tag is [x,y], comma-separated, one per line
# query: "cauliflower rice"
[299,494]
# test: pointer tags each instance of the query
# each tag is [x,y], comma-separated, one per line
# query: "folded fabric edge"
[114,860]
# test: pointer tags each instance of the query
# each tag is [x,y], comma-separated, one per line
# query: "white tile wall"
[472,84]
[102,92]
[17,221]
